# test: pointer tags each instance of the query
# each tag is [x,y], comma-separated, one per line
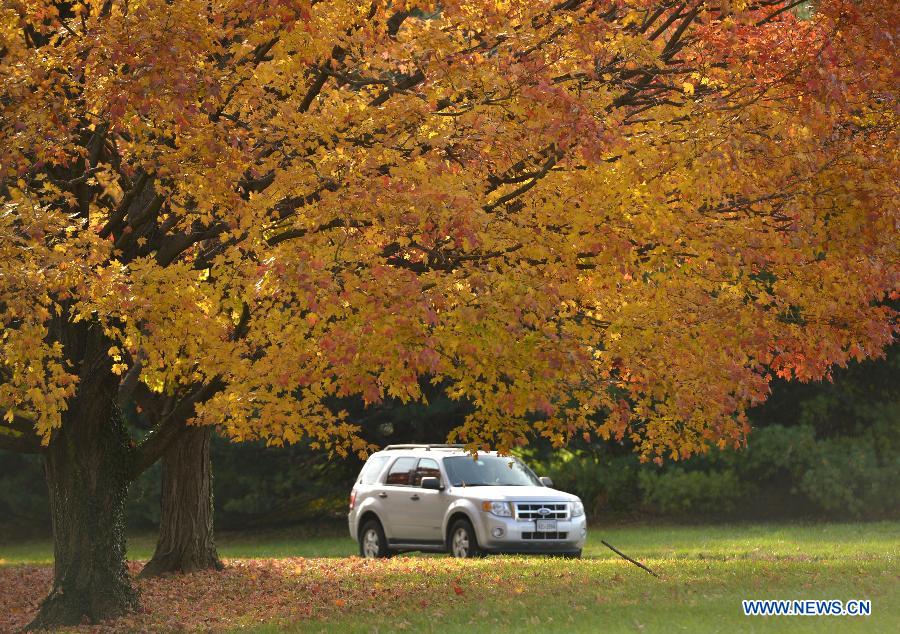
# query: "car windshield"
[489,471]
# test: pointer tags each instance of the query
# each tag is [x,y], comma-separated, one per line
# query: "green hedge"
[853,479]
[680,492]
[783,472]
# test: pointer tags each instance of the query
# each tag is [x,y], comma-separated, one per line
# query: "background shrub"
[848,478]
[679,493]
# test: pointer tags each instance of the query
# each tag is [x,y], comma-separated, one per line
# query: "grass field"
[283,581]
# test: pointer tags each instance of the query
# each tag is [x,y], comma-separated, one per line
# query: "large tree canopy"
[235,210]
[639,206]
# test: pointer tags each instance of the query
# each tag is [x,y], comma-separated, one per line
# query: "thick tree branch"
[118,216]
[337,223]
[170,428]
[675,42]
[404,84]
[130,380]
[653,17]
[534,178]
[775,14]
[662,27]
[174,245]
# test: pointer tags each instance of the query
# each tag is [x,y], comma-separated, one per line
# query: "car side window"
[401,472]
[427,468]
[372,468]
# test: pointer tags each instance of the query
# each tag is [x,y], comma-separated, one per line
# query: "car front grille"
[530,511]
[544,535]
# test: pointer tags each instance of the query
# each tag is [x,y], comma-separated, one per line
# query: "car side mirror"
[547,482]
[432,483]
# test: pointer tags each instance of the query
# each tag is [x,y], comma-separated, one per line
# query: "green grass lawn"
[705,572]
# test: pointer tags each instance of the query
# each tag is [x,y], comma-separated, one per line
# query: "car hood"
[510,494]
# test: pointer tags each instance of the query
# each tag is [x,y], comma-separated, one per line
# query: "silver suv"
[440,498]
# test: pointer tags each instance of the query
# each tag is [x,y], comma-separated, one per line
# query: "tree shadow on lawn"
[266,591]
[297,592]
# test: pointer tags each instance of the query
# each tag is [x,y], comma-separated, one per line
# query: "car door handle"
[382,494]
[414,496]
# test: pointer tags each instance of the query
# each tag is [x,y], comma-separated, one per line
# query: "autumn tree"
[238,210]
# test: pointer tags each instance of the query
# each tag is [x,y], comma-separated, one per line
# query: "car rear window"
[371,469]
[401,471]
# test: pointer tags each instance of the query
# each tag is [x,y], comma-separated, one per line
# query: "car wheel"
[463,543]
[372,542]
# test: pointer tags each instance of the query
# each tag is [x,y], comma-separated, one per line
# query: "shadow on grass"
[444,594]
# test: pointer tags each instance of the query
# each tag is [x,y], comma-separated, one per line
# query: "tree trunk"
[186,542]
[86,467]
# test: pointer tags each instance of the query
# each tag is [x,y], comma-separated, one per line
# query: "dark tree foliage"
[800,430]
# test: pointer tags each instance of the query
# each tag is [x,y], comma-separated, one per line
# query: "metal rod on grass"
[626,557]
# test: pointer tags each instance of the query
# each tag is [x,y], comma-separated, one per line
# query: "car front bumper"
[508,535]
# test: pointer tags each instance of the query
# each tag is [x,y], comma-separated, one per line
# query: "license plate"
[546,526]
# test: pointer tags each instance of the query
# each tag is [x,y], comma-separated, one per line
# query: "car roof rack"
[425,447]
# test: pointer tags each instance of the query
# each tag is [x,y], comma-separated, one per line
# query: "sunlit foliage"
[633,207]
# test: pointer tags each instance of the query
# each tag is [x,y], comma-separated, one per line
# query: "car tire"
[372,542]
[462,542]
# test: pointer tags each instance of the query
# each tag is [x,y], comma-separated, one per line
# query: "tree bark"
[86,466]
[186,540]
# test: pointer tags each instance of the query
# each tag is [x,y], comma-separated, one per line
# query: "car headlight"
[577,509]
[501,509]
